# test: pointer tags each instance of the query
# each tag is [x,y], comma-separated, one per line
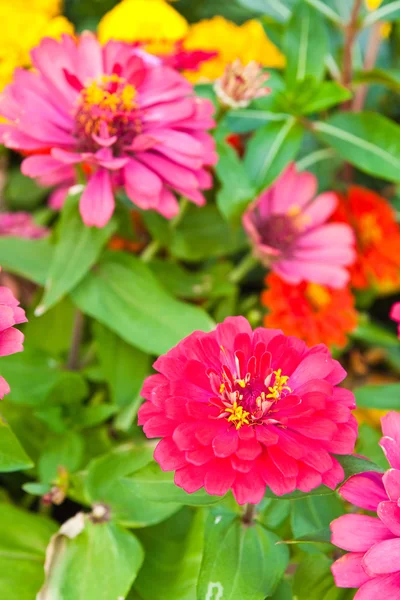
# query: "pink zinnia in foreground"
[288,229]
[11,339]
[241,409]
[20,224]
[373,561]
[395,315]
[128,120]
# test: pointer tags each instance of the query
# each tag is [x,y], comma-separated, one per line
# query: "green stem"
[77,333]
[155,245]
[245,266]
[249,513]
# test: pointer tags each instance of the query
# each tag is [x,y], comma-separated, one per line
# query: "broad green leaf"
[33,377]
[12,455]
[270,151]
[104,483]
[272,513]
[23,540]
[249,119]
[387,77]
[373,333]
[389,10]
[328,94]
[22,192]
[60,451]
[379,396]
[314,514]
[277,9]
[77,249]
[236,190]
[203,233]
[313,578]
[124,366]
[29,258]
[235,559]
[173,556]
[367,140]
[51,332]
[283,591]
[123,294]
[153,484]
[306,44]
[368,440]
[100,562]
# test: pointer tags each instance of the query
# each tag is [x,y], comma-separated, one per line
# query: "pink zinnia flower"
[241,409]
[11,339]
[373,561]
[129,120]
[395,315]
[287,226]
[20,224]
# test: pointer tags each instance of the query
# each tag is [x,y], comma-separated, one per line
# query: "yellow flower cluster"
[27,22]
[160,25]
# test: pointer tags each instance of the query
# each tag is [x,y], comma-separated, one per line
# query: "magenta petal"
[4,388]
[391,425]
[386,587]
[11,341]
[348,571]
[389,514]
[225,443]
[391,481]
[365,490]
[168,456]
[357,533]
[97,201]
[383,558]
[219,478]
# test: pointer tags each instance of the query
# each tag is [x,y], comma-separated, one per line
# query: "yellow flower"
[27,23]
[152,21]
[373,4]
[370,416]
[247,42]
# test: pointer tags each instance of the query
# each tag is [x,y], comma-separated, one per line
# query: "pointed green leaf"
[12,455]
[389,10]
[29,258]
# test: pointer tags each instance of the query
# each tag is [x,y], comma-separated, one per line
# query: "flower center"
[281,231]
[106,108]
[317,295]
[249,399]
[370,232]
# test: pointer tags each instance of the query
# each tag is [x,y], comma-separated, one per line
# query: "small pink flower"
[20,224]
[11,339]
[373,561]
[240,409]
[395,315]
[128,120]
[288,227]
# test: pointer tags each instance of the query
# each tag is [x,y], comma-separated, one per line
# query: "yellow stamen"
[318,295]
[279,386]
[370,231]
[238,416]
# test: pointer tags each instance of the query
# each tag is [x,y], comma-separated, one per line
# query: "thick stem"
[77,333]
[371,54]
[150,251]
[249,513]
[351,30]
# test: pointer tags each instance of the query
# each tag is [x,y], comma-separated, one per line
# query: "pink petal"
[365,490]
[219,478]
[168,456]
[386,587]
[389,514]
[357,533]
[4,388]
[383,558]
[391,481]
[97,201]
[225,443]
[11,341]
[348,571]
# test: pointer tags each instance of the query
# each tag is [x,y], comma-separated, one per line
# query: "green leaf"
[379,396]
[234,560]
[28,258]
[283,591]
[279,10]
[124,367]
[328,94]
[236,191]
[389,10]
[98,563]
[314,514]
[367,140]
[368,443]
[313,578]
[326,10]
[271,149]
[23,540]
[33,377]
[203,233]
[123,294]
[387,77]
[306,45]
[153,484]
[104,483]
[355,464]
[247,119]
[76,251]
[173,555]
[51,332]
[12,456]
[60,451]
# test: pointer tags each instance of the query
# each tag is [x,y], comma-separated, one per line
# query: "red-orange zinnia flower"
[378,238]
[312,312]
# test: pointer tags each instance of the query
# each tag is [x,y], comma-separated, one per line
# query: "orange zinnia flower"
[312,312]
[378,238]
